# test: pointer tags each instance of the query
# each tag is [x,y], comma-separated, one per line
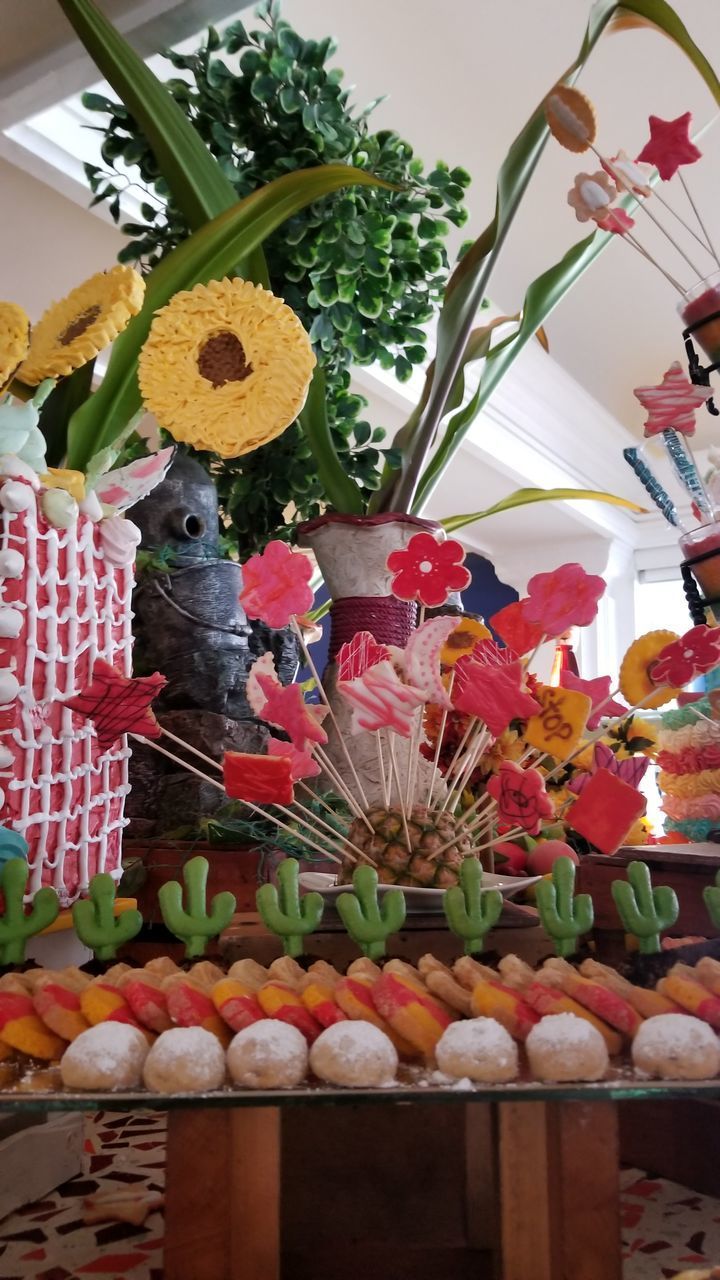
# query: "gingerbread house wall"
[63,603]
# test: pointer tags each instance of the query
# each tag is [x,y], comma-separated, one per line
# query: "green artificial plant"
[199,184]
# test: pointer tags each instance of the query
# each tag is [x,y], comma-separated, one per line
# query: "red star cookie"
[118,704]
[669,146]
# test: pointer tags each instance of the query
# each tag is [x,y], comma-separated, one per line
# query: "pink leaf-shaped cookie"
[422,658]
[302,763]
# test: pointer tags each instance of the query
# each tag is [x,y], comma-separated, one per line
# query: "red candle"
[701,301]
[697,543]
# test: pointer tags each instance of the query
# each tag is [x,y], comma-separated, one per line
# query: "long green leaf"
[524,498]
[469,282]
[208,254]
[340,490]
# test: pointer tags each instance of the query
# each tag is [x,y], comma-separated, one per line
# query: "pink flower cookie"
[277,585]
[492,693]
[673,403]
[591,195]
[521,796]
[286,708]
[567,597]
[427,570]
[380,700]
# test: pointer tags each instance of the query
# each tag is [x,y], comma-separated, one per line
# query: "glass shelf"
[619,1087]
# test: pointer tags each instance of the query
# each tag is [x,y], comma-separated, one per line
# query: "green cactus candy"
[95,922]
[369,921]
[285,912]
[470,912]
[644,911]
[563,916]
[16,924]
[196,925]
[711,898]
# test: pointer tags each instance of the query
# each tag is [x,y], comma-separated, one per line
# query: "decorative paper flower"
[692,655]
[75,330]
[635,175]
[355,656]
[591,194]
[669,146]
[276,585]
[521,796]
[492,693]
[631,770]
[673,403]
[286,708]
[463,640]
[118,704]
[567,597]
[634,680]
[598,691]
[226,367]
[617,221]
[302,763]
[20,434]
[258,779]
[422,658]
[427,570]
[571,118]
[14,340]
[514,627]
[380,700]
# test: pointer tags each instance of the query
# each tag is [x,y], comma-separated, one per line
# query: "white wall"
[48,244]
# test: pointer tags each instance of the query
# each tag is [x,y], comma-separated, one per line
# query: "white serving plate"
[324,883]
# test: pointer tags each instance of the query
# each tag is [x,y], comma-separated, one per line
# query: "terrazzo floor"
[666,1227]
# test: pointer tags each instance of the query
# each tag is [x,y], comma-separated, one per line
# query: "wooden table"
[541,1190]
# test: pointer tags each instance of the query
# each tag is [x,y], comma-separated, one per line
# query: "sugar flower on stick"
[277,585]
[521,796]
[567,597]
[427,570]
[591,195]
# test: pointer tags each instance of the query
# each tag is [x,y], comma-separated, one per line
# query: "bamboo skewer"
[710,246]
[622,181]
[403,814]
[439,743]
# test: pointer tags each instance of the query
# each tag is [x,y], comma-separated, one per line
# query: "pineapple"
[429,831]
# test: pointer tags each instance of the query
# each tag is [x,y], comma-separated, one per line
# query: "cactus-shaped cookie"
[470,912]
[711,898]
[194,924]
[368,920]
[16,924]
[285,912]
[95,922]
[563,916]
[644,911]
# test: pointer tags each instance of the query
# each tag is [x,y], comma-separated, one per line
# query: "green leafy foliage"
[364,270]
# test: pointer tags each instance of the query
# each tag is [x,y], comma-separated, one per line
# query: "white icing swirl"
[59,508]
[12,564]
[119,538]
[10,622]
[16,496]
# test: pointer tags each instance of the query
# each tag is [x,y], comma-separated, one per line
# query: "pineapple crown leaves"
[96,923]
[470,912]
[368,922]
[711,898]
[16,924]
[195,925]
[563,916]
[285,913]
[644,911]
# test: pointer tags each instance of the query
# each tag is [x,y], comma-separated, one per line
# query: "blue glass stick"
[683,464]
[652,485]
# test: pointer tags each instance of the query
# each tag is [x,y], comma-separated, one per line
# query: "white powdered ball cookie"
[355,1054]
[268,1055]
[676,1046]
[479,1049]
[109,1055]
[185,1060]
[564,1047]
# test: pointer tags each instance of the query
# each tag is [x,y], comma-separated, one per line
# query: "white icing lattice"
[61,792]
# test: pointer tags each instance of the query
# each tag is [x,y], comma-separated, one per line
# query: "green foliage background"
[364,269]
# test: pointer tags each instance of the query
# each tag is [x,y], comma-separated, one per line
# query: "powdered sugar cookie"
[479,1049]
[563,1047]
[185,1060]
[354,1054]
[107,1056]
[676,1046]
[268,1055]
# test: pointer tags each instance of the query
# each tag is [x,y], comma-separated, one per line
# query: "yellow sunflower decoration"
[75,330]
[226,367]
[635,683]
[14,340]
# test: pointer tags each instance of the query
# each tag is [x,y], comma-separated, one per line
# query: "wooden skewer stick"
[439,743]
[383,774]
[468,762]
[329,768]
[214,764]
[403,814]
[635,244]
[599,733]
[319,800]
[530,656]
[706,244]
[696,211]
[622,181]
[150,742]
[326,701]
[459,749]
[337,842]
